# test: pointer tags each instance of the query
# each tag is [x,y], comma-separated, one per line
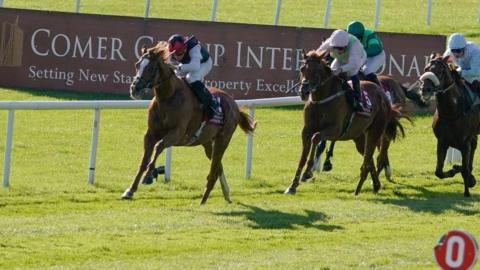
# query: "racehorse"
[174,118]
[456,123]
[329,116]
[398,95]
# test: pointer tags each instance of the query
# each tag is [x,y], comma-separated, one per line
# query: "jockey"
[349,56]
[466,55]
[373,47]
[193,63]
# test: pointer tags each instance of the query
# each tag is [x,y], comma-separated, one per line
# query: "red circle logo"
[456,250]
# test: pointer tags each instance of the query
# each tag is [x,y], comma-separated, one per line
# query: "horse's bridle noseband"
[150,81]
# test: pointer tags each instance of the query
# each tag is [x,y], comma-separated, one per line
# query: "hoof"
[127,195]
[306,176]
[290,191]
[472,182]
[376,188]
[327,166]
[148,179]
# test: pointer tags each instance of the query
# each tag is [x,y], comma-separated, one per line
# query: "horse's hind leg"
[223,180]
[368,166]
[382,159]
[148,143]
[220,144]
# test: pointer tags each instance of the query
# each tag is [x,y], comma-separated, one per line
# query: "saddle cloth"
[364,99]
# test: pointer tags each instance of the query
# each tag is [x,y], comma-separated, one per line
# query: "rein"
[162,80]
[327,99]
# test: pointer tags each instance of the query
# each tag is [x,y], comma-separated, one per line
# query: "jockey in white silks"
[466,55]
[349,57]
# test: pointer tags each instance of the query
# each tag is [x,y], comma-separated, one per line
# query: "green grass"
[51,218]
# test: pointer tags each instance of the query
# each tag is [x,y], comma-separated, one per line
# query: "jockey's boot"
[372,77]
[357,100]
[210,104]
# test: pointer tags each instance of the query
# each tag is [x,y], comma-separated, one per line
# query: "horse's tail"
[394,125]
[247,123]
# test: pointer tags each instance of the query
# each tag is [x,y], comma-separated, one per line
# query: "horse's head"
[151,70]
[313,72]
[437,76]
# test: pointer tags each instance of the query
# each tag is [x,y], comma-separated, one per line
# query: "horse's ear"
[446,58]
[322,54]
[304,54]
[432,56]
[144,49]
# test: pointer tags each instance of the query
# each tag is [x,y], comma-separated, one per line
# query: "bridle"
[306,83]
[149,83]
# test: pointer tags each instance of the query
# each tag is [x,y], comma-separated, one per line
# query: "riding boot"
[210,105]
[373,78]
[357,102]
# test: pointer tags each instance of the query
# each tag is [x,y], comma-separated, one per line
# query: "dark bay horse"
[398,95]
[175,115]
[456,123]
[329,116]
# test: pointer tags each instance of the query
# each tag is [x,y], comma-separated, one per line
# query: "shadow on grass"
[274,219]
[427,200]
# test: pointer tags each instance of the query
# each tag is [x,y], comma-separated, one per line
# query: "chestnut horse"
[329,116]
[456,123]
[175,115]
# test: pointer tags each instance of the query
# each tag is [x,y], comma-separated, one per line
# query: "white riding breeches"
[374,64]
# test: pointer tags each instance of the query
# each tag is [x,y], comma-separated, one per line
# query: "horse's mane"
[161,50]
[317,55]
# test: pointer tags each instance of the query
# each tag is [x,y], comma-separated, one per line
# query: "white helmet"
[456,41]
[339,38]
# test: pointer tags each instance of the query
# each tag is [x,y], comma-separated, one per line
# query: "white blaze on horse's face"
[143,65]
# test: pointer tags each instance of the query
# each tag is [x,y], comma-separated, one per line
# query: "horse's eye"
[302,68]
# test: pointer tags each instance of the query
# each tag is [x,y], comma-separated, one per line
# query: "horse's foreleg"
[148,143]
[306,144]
[168,140]
[473,181]
[318,153]
[327,165]
[311,159]
[466,174]
[441,154]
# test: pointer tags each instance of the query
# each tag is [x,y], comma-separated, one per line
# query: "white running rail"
[95,105]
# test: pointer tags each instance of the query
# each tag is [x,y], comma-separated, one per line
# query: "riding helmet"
[176,44]
[457,41]
[356,28]
[339,38]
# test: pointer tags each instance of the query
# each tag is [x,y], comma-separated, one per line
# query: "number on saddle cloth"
[364,99]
